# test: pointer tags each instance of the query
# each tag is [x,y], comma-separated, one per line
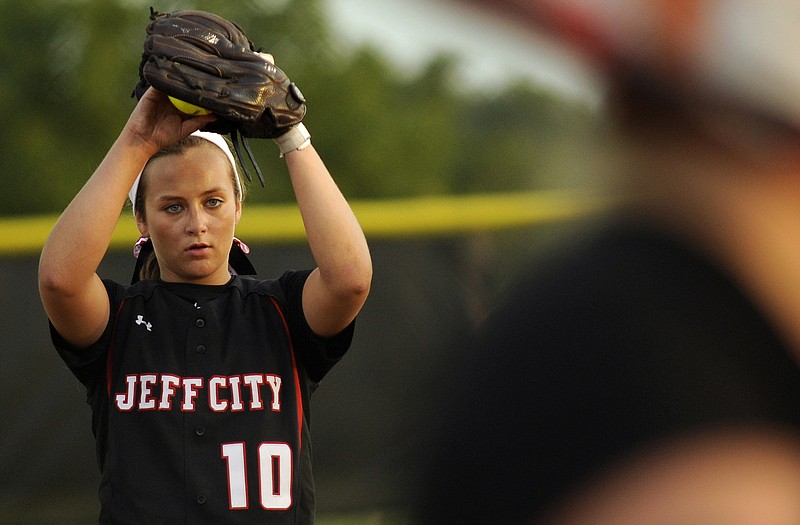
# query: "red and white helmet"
[739,51]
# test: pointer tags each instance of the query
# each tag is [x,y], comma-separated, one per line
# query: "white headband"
[213,138]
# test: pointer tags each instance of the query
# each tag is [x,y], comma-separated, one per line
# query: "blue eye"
[173,208]
[213,203]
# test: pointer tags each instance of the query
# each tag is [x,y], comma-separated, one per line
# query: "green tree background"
[69,66]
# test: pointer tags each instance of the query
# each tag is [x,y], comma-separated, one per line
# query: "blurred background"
[461,143]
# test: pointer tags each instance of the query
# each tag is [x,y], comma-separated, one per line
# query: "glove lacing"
[237,139]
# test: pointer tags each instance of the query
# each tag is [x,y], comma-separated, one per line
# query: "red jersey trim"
[298,390]
[110,355]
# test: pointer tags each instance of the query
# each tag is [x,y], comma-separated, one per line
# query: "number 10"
[274,473]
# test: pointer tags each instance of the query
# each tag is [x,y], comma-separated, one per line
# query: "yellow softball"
[189,109]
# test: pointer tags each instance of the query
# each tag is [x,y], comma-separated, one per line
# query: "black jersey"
[200,400]
[626,341]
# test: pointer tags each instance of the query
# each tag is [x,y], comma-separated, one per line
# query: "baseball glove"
[208,61]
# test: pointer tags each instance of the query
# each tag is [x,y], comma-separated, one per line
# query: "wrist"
[297,138]
[134,142]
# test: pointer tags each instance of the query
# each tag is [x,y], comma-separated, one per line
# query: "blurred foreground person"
[650,374]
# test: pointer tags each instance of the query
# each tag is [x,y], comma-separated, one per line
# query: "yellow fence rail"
[413,217]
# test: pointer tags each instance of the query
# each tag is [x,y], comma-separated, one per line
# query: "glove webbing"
[236,139]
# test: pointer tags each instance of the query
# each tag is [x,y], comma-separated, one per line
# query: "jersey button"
[201,498]
[200,431]
[201,349]
[199,323]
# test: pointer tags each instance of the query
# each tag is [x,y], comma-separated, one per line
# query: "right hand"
[156,123]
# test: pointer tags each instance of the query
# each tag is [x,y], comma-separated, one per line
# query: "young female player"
[199,379]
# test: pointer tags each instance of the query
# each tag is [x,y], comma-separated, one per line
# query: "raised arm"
[73,295]
[337,288]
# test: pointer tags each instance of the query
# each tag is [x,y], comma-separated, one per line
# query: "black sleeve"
[87,364]
[319,354]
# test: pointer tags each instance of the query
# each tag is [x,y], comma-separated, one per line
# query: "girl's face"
[191,212]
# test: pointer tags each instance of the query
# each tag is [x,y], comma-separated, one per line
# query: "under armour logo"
[140,321]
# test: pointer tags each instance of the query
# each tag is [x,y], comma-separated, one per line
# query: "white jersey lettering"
[234,393]
[169,384]
[214,402]
[191,385]
[275,386]
[254,381]
[235,383]
[146,399]
[125,401]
